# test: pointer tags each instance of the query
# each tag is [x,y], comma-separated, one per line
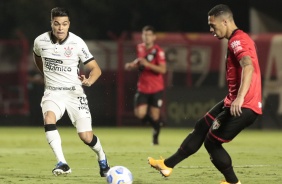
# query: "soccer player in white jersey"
[57,54]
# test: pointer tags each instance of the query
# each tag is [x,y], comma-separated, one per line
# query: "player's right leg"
[51,113]
[84,130]
[190,145]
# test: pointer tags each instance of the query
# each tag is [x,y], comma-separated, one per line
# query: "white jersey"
[61,60]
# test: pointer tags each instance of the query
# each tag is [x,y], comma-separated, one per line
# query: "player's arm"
[131,65]
[95,72]
[38,63]
[246,78]
[161,68]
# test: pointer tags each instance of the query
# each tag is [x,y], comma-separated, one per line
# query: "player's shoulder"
[75,38]
[238,38]
[240,35]
[44,37]
[156,46]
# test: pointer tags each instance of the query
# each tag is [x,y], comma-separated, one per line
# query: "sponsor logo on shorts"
[83,104]
[61,88]
[216,124]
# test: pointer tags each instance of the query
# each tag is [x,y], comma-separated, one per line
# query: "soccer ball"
[119,175]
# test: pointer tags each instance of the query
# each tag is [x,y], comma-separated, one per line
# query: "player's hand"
[143,61]
[131,65]
[236,105]
[84,81]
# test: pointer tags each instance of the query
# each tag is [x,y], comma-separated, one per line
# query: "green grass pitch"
[26,158]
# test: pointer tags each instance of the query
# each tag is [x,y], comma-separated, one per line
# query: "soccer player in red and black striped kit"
[238,110]
[152,65]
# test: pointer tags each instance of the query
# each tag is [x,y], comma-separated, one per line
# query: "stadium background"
[195,80]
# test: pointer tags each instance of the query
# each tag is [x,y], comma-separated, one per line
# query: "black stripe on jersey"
[87,61]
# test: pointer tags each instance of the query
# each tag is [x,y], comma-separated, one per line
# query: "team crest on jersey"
[216,124]
[68,52]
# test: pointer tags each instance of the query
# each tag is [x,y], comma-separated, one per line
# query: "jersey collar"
[233,32]
[53,38]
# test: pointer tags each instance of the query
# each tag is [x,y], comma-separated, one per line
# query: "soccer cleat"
[61,168]
[160,166]
[225,182]
[104,167]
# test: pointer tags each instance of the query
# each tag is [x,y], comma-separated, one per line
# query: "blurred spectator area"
[13,77]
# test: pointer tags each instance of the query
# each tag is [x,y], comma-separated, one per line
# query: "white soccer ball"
[119,175]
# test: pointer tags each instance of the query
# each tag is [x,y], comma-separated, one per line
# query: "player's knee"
[86,137]
[211,144]
[140,115]
[155,117]
[49,119]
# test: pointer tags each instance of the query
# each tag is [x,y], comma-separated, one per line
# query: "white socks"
[54,140]
[99,150]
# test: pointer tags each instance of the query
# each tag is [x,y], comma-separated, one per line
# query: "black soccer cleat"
[104,167]
[61,169]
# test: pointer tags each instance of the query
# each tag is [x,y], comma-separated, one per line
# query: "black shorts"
[225,126]
[154,99]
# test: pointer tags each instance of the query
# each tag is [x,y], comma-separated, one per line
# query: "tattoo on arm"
[246,60]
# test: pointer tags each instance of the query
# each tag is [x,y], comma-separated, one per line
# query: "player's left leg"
[224,129]
[141,107]
[84,130]
[155,103]
[80,115]
[155,123]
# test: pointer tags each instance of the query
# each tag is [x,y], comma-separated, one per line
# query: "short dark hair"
[59,12]
[149,28]
[219,10]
